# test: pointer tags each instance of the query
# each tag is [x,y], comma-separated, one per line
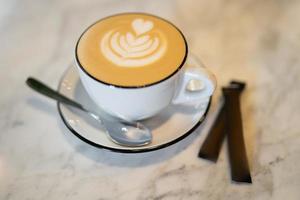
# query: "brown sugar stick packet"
[211,146]
[240,171]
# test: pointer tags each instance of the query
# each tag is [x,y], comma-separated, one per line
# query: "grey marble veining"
[252,40]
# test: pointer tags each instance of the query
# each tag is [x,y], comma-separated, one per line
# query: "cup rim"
[140,86]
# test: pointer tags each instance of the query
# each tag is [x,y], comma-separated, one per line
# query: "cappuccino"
[131,50]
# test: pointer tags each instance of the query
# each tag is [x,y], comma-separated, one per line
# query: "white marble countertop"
[252,40]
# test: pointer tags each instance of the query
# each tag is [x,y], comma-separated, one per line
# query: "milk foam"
[135,48]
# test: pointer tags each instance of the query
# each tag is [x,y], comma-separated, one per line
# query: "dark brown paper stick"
[240,171]
[211,146]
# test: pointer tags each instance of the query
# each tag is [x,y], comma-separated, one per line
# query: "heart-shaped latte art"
[134,48]
[141,26]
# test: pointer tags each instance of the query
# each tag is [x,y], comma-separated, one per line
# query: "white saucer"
[168,127]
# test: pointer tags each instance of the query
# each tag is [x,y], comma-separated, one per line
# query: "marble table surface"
[252,40]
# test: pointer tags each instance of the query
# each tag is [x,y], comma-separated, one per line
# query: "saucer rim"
[78,135]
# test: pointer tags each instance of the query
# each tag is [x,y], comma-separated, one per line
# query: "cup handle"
[196,84]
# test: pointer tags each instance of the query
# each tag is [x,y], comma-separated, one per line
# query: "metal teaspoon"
[120,131]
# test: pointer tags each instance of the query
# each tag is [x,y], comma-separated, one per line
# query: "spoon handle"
[45,90]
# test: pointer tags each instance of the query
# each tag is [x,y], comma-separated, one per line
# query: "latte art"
[134,49]
[131,50]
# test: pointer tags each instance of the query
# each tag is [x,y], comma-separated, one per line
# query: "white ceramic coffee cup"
[136,103]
